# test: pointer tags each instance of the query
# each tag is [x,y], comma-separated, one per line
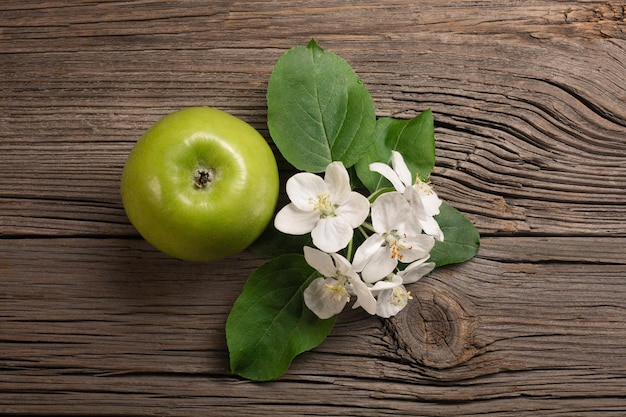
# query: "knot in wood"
[434,329]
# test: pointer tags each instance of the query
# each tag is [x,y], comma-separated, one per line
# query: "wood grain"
[104,322]
[529,99]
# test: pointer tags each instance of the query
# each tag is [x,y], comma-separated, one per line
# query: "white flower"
[327,296]
[424,201]
[327,208]
[416,270]
[392,295]
[397,237]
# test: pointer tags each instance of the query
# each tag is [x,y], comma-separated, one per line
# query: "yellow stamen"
[395,243]
[400,297]
[423,187]
[338,291]
[322,203]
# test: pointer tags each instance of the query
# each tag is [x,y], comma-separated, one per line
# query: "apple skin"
[200,184]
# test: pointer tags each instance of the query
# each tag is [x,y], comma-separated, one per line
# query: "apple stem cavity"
[203,177]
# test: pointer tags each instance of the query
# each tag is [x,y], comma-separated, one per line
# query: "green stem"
[367,226]
[349,250]
[378,193]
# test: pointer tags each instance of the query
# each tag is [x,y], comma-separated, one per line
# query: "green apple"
[200,184]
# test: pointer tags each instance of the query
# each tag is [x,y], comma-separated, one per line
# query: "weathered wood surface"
[529,99]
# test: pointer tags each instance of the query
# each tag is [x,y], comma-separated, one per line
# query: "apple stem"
[203,177]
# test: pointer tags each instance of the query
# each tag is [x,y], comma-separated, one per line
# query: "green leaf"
[269,324]
[461,239]
[413,138]
[377,152]
[319,111]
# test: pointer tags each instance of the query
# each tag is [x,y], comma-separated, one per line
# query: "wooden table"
[529,99]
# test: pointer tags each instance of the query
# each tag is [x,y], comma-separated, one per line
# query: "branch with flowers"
[359,234]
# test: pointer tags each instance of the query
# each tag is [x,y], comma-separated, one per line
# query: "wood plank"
[529,102]
[541,138]
[110,326]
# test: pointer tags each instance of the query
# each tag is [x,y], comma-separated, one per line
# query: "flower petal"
[303,187]
[390,174]
[417,207]
[399,166]
[320,298]
[425,220]
[431,227]
[418,247]
[416,270]
[379,265]
[365,252]
[386,284]
[392,301]
[343,266]
[337,180]
[354,210]
[431,203]
[364,296]
[293,221]
[331,234]
[320,261]
[388,211]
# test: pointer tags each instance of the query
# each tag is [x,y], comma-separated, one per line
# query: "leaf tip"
[313,45]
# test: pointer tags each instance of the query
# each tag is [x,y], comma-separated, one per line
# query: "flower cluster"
[396,242]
